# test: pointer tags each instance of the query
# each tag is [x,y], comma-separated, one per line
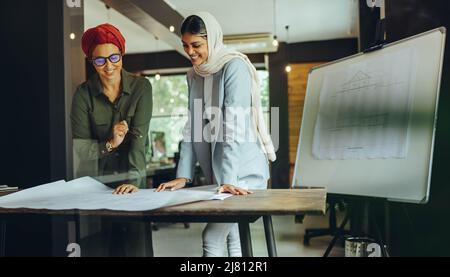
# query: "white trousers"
[216,235]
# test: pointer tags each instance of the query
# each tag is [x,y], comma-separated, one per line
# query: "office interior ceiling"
[308,20]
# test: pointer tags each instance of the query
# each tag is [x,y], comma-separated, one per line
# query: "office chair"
[332,225]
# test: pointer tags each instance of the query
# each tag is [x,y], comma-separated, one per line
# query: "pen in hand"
[135,133]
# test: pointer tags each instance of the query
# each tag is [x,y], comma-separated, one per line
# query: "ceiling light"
[157,76]
[172,29]
[288,69]
[275,41]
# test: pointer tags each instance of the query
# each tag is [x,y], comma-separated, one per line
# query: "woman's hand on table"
[172,185]
[233,190]
[125,189]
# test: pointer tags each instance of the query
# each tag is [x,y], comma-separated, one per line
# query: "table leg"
[73,248]
[72,232]
[270,238]
[148,240]
[2,238]
[246,240]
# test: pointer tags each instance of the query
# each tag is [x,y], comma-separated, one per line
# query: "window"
[170,102]
[265,98]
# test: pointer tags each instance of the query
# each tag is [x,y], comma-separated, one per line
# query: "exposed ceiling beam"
[155,16]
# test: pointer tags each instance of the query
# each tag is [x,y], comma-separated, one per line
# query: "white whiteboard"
[369,121]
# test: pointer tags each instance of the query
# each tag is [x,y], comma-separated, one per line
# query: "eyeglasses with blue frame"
[101,61]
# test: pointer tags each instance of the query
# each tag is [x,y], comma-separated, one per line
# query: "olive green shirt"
[93,117]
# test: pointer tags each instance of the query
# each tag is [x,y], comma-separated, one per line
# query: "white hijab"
[218,56]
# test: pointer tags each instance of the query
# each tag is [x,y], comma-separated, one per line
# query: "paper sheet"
[220,196]
[364,110]
[88,194]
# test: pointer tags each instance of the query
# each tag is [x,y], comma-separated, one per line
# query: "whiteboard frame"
[425,199]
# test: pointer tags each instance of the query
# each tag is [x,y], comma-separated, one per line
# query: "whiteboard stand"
[340,232]
[332,225]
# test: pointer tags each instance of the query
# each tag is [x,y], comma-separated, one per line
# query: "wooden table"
[241,209]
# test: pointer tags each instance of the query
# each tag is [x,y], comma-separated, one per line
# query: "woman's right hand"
[120,130]
[172,185]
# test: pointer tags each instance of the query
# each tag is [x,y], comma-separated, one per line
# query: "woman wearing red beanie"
[110,118]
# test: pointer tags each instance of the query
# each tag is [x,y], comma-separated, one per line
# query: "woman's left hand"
[124,189]
[234,190]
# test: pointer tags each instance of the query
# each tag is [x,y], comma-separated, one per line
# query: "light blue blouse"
[239,162]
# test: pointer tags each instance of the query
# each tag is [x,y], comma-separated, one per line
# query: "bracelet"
[109,147]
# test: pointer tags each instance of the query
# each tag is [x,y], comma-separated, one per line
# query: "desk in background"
[240,209]
[160,173]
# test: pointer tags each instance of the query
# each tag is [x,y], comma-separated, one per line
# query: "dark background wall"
[420,230]
[424,230]
[26,115]
[25,93]
[34,37]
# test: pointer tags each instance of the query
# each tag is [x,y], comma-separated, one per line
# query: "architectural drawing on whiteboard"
[364,110]
[360,80]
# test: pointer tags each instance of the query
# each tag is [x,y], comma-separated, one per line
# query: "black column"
[25,93]
[368,18]
[278,88]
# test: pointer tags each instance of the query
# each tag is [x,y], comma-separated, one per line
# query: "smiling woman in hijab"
[235,148]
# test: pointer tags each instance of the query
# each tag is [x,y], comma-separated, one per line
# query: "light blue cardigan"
[235,162]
